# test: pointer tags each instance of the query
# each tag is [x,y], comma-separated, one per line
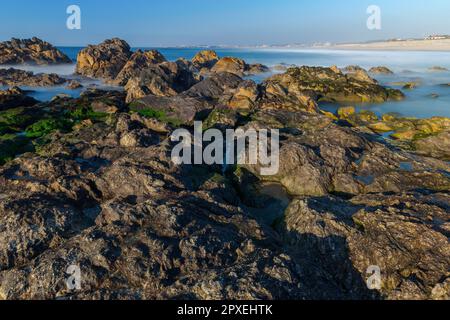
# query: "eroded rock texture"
[30,51]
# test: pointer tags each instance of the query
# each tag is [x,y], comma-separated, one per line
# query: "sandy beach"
[407,45]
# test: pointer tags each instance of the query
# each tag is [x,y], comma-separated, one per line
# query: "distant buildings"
[437,37]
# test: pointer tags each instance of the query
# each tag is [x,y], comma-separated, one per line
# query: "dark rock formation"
[108,199]
[15,97]
[30,51]
[139,60]
[165,79]
[16,77]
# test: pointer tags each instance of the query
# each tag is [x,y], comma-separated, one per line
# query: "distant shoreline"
[406,45]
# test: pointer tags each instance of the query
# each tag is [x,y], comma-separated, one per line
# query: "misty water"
[430,98]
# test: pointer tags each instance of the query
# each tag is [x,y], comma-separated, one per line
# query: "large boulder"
[205,59]
[30,51]
[227,89]
[165,80]
[238,67]
[138,61]
[105,60]
[214,87]
[358,73]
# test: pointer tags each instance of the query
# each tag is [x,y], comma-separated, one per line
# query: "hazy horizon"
[176,23]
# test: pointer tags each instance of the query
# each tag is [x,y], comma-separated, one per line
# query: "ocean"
[430,98]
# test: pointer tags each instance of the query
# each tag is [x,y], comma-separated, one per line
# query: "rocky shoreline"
[89,181]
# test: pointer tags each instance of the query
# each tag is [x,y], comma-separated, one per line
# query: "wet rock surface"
[89,182]
[105,196]
[15,97]
[16,77]
[330,84]
[30,51]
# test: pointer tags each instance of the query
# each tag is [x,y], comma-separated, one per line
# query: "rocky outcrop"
[381,70]
[165,80]
[89,182]
[107,198]
[349,237]
[359,74]
[205,59]
[105,60]
[73,84]
[16,77]
[139,61]
[15,97]
[324,158]
[30,51]
[227,89]
[238,67]
[326,84]
[436,146]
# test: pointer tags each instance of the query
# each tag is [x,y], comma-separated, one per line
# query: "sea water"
[430,98]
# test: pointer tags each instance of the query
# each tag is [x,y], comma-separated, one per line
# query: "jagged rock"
[165,80]
[106,196]
[245,96]
[381,70]
[324,157]
[105,60]
[30,51]
[205,59]
[349,237]
[257,68]
[16,77]
[238,67]
[358,73]
[214,87]
[108,199]
[227,89]
[72,85]
[231,65]
[437,146]
[15,97]
[179,109]
[139,60]
[326,84]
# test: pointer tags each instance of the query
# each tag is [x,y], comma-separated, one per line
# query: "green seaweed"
[46,126]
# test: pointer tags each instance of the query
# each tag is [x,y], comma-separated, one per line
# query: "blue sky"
[216,22]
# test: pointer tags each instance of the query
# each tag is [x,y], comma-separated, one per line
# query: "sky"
[221,22]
